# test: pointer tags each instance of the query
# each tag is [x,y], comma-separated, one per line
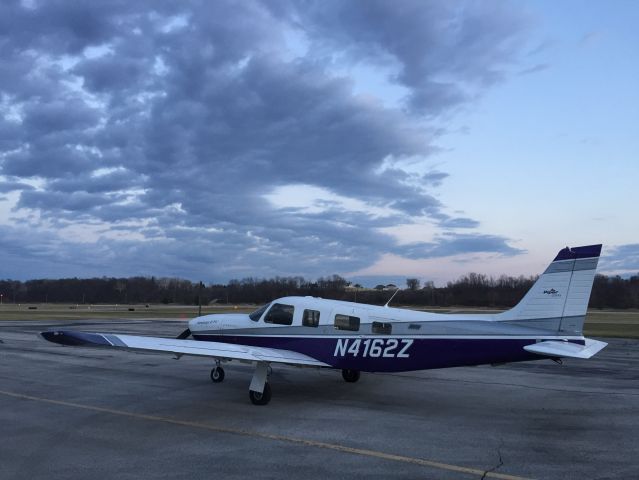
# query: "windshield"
[255,316]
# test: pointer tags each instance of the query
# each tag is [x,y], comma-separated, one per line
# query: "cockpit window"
[280,314]
[257,314]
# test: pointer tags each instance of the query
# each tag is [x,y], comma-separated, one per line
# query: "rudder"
[559,298]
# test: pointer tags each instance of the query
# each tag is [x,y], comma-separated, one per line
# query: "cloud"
[449,244]
[6,187]
[447,52]
[540,67]
[589,39]
[58,116]
[179,120]
[620,260]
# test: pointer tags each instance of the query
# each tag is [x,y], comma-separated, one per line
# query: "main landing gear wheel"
[263,398]
[350,376]
[217,375]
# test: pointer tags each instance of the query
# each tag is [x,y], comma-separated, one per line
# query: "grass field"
[82,312]
[599,323]
[612,323]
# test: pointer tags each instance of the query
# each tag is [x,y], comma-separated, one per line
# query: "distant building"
[386,288]
[355,288]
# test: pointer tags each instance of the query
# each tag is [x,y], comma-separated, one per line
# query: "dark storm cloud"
[109,73]
[108,182]
[57,116]
[180,118]
[6,187]
[49,160]
[74,202]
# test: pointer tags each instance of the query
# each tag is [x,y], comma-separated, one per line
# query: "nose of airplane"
[206,322]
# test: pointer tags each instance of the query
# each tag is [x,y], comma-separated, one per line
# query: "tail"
[559,298]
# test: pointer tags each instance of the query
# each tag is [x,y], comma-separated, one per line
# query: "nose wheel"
[217,375]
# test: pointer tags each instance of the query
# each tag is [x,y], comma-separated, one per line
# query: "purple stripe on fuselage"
[390,354]
[587,251]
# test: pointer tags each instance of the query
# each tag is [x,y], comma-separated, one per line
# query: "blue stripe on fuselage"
[382,354]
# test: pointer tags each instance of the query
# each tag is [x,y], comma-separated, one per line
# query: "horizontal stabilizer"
[184,347]
[554,348]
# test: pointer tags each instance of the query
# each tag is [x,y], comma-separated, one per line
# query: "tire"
[217,375]
[263,398]
[350,376]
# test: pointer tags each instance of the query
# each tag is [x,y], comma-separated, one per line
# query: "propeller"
[185,334]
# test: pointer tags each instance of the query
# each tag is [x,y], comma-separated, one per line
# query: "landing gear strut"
[350,376]
[260,390]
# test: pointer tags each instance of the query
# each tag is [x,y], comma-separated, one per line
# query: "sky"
[376,140]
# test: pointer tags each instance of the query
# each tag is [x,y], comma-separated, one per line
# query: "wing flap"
[554,348]
[185,347]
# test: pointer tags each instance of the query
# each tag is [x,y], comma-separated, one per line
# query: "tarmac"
[69,412]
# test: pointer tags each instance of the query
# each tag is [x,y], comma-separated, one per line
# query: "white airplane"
[354,337]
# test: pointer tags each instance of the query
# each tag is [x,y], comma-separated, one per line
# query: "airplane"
[354,337]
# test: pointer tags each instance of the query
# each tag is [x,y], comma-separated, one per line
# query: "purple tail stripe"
[588,251]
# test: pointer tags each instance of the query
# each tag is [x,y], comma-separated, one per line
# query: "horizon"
[366,282]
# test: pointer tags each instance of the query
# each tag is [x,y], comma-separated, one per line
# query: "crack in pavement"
[491,470]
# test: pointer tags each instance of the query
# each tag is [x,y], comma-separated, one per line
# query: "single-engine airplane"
[354,337]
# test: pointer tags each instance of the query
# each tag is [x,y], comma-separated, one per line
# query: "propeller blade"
[185,334]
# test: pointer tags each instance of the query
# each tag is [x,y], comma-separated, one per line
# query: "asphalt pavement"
[68,412]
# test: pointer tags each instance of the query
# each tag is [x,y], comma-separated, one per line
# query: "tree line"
[472,290]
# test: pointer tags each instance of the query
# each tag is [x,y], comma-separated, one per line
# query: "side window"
[310,318]
[346,322]
[280,314]
[382,328]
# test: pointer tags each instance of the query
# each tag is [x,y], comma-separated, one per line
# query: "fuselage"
[372,338]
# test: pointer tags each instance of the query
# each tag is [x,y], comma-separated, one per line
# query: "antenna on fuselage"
[392,296]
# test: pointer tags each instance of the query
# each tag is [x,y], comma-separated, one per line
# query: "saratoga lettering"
[373,347]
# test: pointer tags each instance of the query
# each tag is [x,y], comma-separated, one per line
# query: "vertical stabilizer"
[559,298]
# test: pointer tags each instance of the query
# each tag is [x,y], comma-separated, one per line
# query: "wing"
[185,347]
[554,348]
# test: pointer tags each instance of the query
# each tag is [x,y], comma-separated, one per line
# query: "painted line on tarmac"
[281,438]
